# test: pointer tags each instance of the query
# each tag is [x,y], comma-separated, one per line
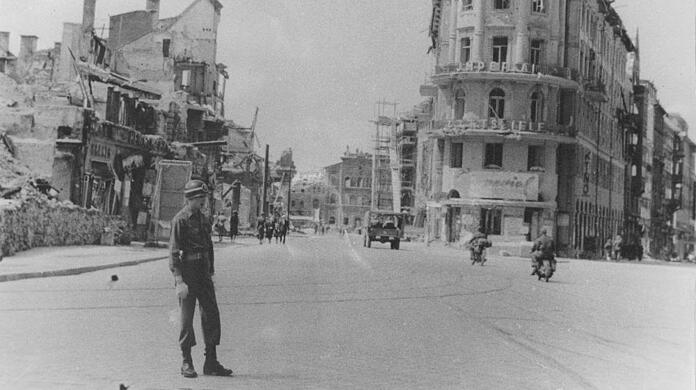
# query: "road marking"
[355,256]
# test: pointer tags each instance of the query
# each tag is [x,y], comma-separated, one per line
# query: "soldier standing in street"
[192,265]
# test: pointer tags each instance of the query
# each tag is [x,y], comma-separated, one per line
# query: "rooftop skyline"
[316,68]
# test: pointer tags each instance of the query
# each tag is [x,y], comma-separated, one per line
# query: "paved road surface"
[326,313]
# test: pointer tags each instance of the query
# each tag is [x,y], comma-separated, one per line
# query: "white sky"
[316,67]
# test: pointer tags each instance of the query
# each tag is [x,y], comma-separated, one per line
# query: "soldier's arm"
[211,251]
[175,246]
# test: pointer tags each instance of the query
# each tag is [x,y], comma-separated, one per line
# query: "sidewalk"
[46,262]
[72,260]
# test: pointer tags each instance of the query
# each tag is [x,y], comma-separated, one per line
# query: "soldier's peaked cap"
[195,189]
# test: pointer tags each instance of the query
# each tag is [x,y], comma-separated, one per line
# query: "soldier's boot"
[187,369]
[212,366]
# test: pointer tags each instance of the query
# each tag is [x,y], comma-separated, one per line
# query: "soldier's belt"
[194,256]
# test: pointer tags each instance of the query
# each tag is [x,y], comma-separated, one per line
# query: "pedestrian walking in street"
[234,225]
[608,249]
[260,226]
[193,265]
[269,228]
[618,245]
[220,226]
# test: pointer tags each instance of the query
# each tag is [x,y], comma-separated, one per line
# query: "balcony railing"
[637,185]
[408,140]
[504,67]
[628,120]
[595,90]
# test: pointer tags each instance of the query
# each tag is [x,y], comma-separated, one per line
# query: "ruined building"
[103,111]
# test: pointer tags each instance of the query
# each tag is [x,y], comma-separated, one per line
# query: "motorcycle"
[545,270]
[478,251]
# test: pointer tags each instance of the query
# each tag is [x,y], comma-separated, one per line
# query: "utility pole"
[289,192]
[264,203]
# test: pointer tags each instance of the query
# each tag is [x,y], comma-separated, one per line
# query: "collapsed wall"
[29,218]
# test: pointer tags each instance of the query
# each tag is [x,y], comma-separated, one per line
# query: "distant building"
[351,183]
[8,61]
[309,198]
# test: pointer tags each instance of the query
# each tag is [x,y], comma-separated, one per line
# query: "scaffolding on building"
[386,172]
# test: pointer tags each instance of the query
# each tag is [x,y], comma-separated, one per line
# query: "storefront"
[504,205]
[119,172]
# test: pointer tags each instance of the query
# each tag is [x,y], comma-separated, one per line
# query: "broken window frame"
[456,154]
[536,51]
[493,155]
[500,49]
[539,6]
[535,158]
[501,4]
[465,50]
[166,46]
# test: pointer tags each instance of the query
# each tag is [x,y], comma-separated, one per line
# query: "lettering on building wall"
[493,124]
[498,185]
[100,151]
[504,67]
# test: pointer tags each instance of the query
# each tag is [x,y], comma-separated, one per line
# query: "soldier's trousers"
[197,277]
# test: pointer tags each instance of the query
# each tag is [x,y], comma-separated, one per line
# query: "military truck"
[383,226]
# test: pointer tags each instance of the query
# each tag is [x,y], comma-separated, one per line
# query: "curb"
[75,271]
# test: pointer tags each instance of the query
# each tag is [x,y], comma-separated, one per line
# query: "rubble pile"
[29,218]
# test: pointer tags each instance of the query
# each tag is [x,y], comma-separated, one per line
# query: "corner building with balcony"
[503,106]
[533,121]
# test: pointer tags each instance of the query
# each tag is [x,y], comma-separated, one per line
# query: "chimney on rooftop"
[153,6]
[88,10]
[4,43]
[27,45]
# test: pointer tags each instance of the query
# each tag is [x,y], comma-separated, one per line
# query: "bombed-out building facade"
[108,110]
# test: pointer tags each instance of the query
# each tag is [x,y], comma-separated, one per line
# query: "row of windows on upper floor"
[352,182]
[538,6]
[355,200]
[499,50]
[496,105]
[493,156]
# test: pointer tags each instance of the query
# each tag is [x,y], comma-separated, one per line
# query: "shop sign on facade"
[101,152]
[499,185]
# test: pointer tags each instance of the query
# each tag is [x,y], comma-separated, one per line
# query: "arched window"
[536,107]
[315,204]
[459,104]
[453,194]
[496,104]
[346,182]
[332,198]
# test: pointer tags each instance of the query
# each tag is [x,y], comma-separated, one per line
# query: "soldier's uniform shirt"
[190,235]
[191,250]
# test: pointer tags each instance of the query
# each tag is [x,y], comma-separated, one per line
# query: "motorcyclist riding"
[477,244]
[543,249]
